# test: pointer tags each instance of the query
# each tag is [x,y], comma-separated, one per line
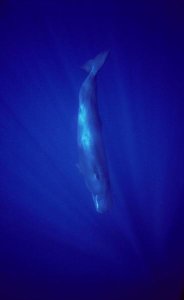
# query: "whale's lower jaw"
[101,210]
[101,206]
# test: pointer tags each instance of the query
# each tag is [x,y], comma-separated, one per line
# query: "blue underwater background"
[53,244]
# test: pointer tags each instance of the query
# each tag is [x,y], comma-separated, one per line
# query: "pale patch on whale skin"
[92,159]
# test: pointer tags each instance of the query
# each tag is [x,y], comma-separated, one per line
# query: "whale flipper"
[94,65]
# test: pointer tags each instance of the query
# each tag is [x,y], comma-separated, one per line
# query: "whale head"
[102,202]
[99,185]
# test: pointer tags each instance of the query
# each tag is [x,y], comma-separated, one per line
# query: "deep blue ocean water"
[53,244]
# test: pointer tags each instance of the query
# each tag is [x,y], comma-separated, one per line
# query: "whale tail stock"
[94,65]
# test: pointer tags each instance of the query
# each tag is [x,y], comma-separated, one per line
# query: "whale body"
[92,159]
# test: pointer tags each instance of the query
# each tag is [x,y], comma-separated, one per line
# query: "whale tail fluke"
[94,65]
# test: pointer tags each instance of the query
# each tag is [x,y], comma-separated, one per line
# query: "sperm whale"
[92,158]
